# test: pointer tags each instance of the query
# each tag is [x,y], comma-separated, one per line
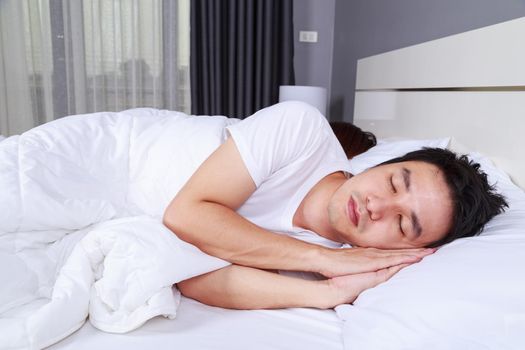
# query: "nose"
[378,207]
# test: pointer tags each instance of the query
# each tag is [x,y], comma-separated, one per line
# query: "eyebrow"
[406,178]
[416,225]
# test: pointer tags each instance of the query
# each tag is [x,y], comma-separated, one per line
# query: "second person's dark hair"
[354,140]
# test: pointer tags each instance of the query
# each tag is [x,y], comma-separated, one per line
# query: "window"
[72,57]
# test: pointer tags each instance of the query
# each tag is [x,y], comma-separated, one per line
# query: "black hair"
[353,140]
[474,200]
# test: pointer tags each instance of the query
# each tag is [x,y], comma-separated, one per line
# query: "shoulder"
[285,120]
[292,111]
[293,116]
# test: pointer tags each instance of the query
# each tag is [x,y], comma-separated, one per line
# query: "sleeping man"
[278,195]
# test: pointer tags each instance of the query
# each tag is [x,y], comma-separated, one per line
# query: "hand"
[345,289]
[341,262]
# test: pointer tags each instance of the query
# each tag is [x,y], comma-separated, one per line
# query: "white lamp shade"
[313,95]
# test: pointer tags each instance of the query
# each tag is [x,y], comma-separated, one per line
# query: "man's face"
[391,206]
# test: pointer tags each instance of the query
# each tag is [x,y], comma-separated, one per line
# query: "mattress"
[198,326]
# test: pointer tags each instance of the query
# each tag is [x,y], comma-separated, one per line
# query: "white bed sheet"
[198,326]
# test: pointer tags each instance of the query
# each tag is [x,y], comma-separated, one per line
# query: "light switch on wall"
[308,36]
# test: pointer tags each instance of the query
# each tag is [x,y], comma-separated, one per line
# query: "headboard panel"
[452,87]
[493,56]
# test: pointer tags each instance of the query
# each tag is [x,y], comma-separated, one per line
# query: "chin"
[344,238]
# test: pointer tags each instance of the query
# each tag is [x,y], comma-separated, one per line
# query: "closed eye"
[392,184]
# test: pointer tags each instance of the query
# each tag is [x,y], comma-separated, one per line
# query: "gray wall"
[313,61]
[369,27]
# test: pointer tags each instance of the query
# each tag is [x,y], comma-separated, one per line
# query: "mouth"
[353,213]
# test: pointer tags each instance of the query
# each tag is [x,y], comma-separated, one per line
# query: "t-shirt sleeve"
[278,135]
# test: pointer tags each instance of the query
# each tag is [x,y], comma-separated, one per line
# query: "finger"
[390,261]
[374,264]
[379,253]
[419,253]
[385,274]
[360,260]
[403,251]
[372,279]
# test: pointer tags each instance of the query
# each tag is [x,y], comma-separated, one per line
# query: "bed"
[466,92]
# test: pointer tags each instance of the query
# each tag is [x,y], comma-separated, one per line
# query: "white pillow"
[387,149]
[470,294]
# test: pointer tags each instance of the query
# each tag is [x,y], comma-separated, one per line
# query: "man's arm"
[203,214]
[246,288]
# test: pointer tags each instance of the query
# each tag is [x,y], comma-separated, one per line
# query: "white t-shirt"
[287,149]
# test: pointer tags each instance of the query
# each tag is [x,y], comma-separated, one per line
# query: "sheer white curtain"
[63,57]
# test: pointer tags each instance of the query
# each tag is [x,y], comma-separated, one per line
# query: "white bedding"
[81,232]
[80,222]
[198,326]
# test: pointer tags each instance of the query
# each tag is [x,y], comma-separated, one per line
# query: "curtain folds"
[241,51]
[65,57]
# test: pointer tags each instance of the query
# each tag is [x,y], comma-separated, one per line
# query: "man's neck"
[312,213]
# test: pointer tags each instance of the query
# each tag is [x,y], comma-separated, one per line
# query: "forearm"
[221,232]
[240,287]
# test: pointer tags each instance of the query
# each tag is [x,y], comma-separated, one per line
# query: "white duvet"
[81,222]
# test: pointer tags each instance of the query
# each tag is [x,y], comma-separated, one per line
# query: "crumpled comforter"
[81,222]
